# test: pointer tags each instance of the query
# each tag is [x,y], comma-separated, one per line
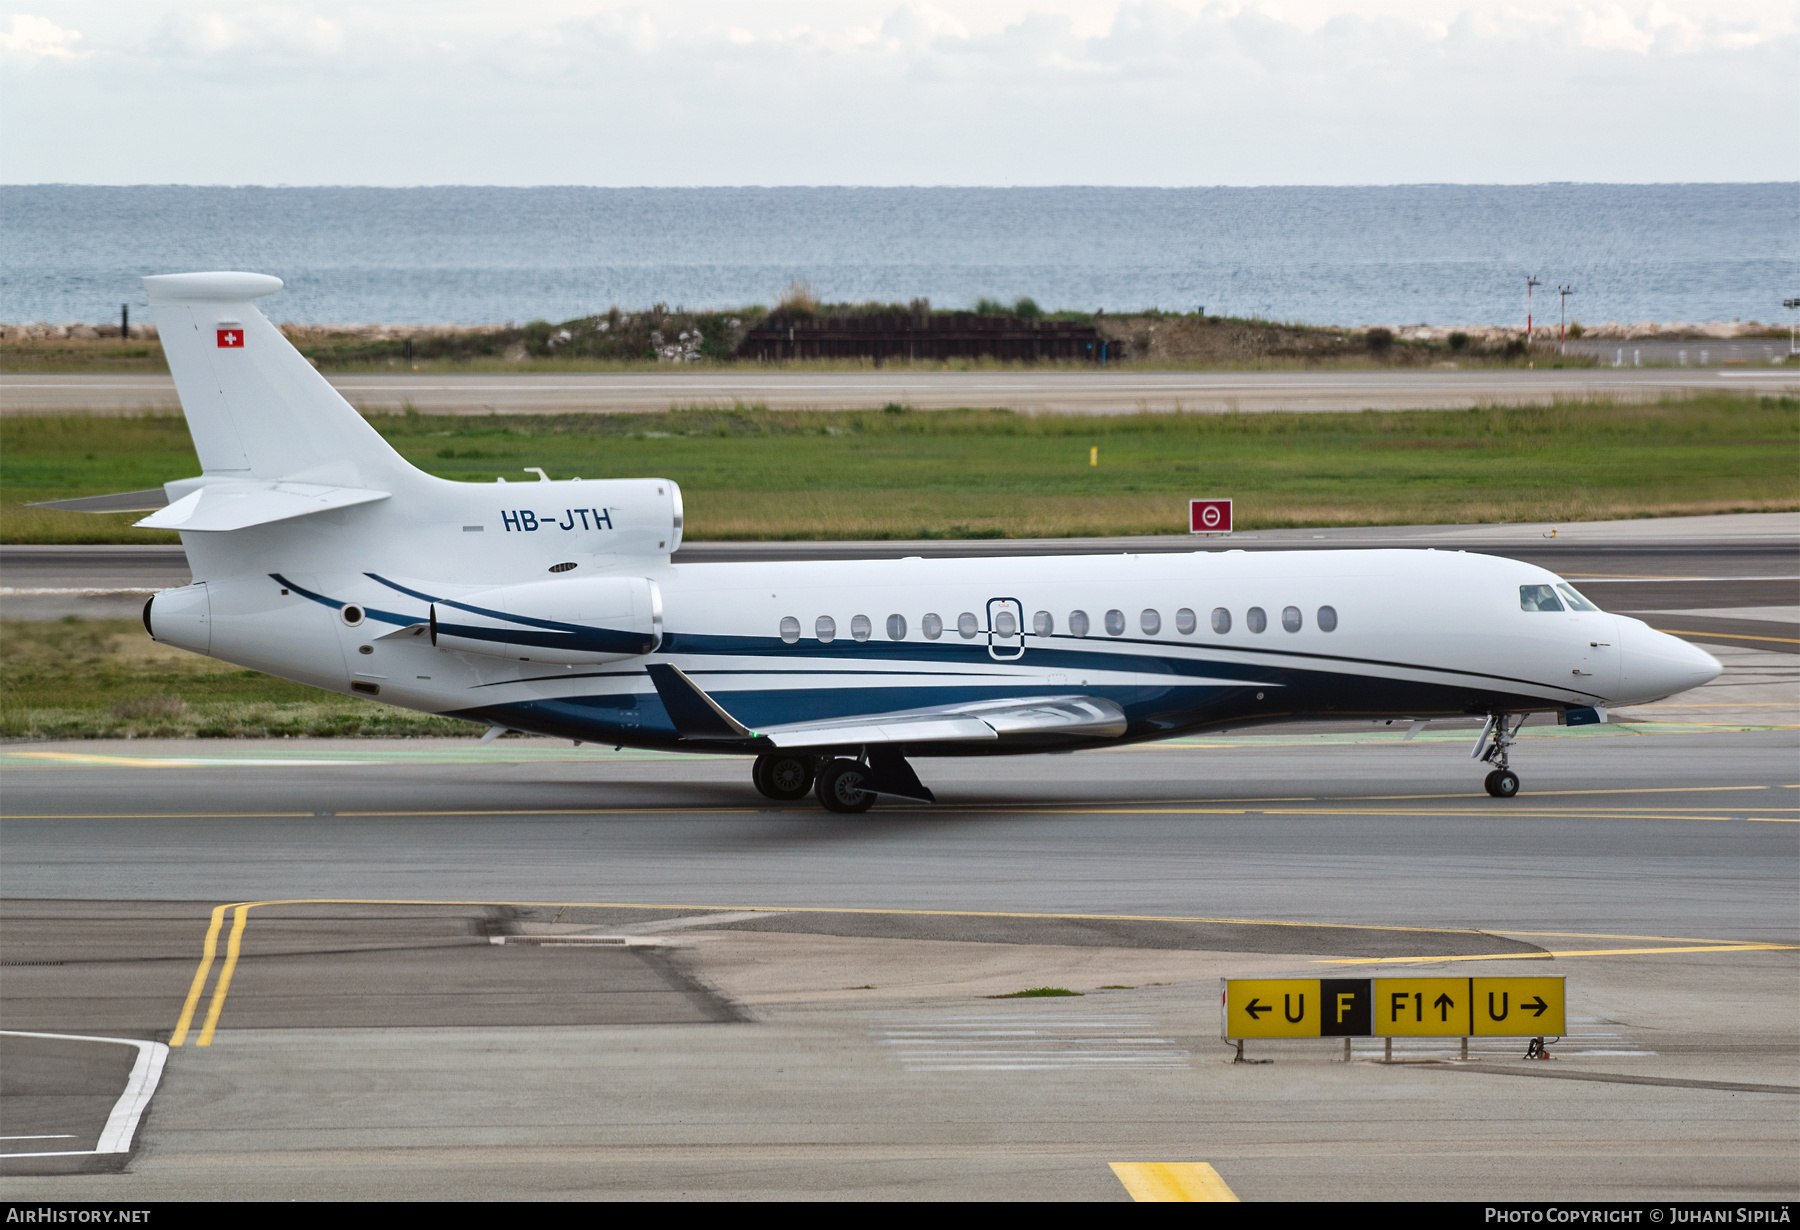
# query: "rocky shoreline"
[1494,336]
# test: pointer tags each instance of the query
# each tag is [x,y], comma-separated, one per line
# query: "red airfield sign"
[1209,516]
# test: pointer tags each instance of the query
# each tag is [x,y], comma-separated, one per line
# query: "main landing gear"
[843,785]
[1496,741]
[840,787]
[784,778]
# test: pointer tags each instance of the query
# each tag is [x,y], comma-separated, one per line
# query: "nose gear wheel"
[1502,783]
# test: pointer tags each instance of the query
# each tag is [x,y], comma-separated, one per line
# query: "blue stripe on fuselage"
[1152,711]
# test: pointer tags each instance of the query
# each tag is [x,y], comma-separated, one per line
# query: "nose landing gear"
[1502,783]
[1494,745]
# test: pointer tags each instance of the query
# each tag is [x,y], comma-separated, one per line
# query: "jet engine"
[602,619]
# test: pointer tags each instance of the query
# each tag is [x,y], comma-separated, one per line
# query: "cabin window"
[966,627]
[1327,619]
[1078,623]
[1221,620]
[790,629]
[1290,618]
[1006,623]
[860,627]
[1043,623]
[1151,622]
[1115,623]
[1185,623]
[825,628]
[896,627]
[1573,597]
[1538,598]
[932,626]
[1256,619]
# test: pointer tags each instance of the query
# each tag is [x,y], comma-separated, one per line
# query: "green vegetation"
[1037,993]
[751,473]
[85,679]
[646,339]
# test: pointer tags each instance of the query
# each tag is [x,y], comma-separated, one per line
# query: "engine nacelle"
[181,617]
[602,619]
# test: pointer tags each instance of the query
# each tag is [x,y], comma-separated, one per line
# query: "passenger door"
[1006,629]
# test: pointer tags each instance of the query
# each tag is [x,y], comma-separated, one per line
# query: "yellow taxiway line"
[1537,956]
[241,916]
[199,984]
[1172,1182]
[1732,636]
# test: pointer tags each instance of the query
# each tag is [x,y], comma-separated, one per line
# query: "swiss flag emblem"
[231,338]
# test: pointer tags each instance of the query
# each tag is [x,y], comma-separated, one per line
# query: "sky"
[874,92]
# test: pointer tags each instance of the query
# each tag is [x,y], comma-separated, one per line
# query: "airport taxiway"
[1124,391]
[698,994]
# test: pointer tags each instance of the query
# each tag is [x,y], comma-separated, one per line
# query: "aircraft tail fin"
[255,406]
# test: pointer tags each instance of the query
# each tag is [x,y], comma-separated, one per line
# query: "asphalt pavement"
[530,971]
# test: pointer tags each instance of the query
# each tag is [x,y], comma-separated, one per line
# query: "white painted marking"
[1017,1042]
[1579,579]
[59,1136]
[121,1124]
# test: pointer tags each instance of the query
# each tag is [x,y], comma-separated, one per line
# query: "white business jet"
[552,607]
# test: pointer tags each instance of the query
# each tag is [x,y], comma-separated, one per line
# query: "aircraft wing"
[1022,719]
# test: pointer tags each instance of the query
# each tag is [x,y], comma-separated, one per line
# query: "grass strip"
[106,679]
[752,473]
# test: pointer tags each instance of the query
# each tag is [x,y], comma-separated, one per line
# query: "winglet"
[695,714]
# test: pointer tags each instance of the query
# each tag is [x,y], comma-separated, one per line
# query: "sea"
[1442,254]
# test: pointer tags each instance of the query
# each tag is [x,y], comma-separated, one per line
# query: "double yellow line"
[240,911]
[232,948]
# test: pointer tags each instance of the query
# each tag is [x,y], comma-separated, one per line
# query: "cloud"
[919,91]
[234,30]
[40,38]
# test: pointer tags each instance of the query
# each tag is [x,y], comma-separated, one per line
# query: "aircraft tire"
[1502,783]
[783,778]
[838,788]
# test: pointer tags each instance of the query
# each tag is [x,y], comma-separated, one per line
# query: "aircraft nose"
[1654,664]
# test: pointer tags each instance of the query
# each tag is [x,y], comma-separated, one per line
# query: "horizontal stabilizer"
[237,505]
[118,502]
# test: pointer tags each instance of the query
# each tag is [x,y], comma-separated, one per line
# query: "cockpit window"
[1573,597]
[1538,598]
